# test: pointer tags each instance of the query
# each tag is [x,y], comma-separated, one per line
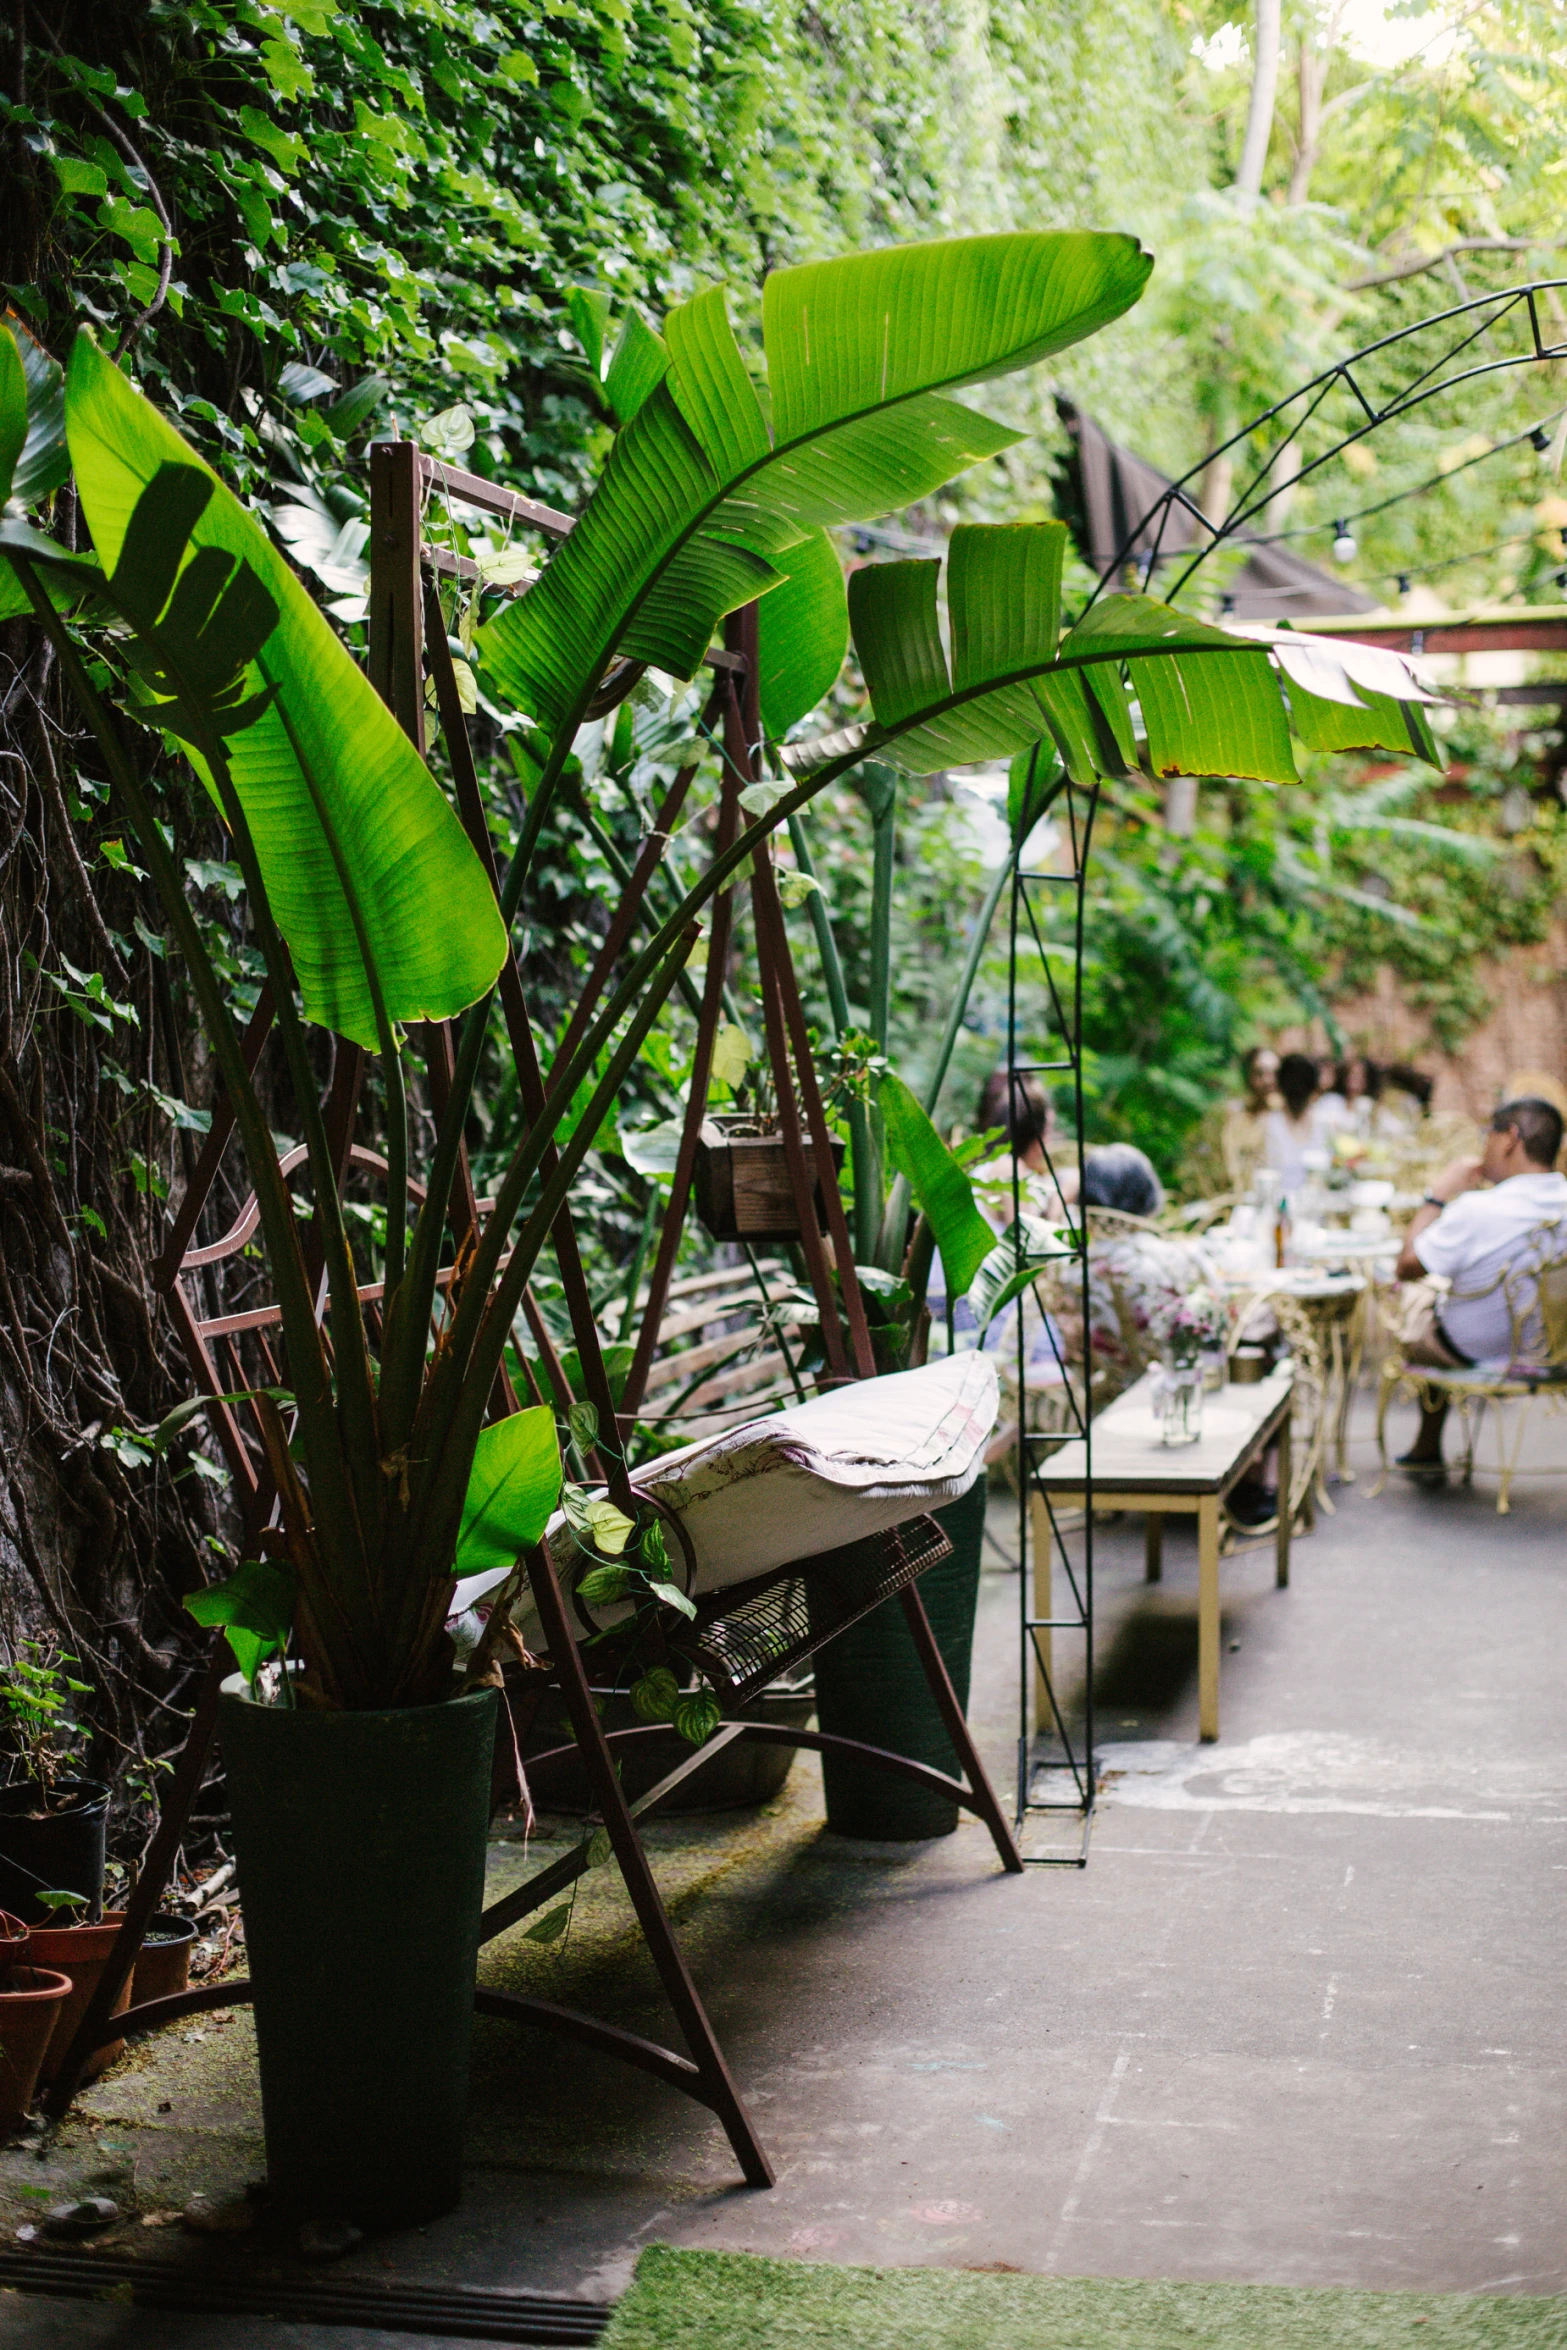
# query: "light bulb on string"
[1540,439]
[1404,583]
[1343,543]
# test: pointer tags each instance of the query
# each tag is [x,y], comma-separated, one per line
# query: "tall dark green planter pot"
[360,1840]
[871,1685]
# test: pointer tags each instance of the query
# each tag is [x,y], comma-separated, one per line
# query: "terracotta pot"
[163,1961]
[30,2002]
[80,1952]
[13,1943]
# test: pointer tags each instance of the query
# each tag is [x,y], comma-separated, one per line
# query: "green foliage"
[354,842]
[940,1187]
[255,1606]
[702,490]
[513,1487]
[38,1697]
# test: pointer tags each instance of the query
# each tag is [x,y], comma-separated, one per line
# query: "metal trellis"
[1055,1763]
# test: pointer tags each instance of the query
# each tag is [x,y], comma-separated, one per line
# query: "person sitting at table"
[1290,1131]
[1021,1106]
[1330,1108]
[1118,1175]
[1476,1220]
[1136,1277]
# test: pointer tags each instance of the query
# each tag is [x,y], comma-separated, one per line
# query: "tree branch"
[1424,261]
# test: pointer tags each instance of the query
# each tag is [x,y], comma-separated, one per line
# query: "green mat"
[731,2301]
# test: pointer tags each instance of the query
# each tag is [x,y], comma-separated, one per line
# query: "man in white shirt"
[1470,1236]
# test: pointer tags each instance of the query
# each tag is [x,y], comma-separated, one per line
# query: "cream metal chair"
[1535,1287]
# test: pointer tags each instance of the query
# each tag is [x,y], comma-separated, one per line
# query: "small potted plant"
[51,1814]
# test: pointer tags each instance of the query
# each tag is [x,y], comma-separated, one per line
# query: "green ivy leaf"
[655,1697]
[602,1586]
[672,1596]
[551,1925]
[696,1717]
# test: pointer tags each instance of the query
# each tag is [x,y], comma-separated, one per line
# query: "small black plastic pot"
[55,1851]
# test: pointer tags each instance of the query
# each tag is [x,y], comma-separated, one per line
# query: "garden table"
[1133,1470]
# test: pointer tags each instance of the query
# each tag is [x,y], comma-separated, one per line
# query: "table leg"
[1208,1617]
[1044,1584]
[1153,1545]
[1281,1540]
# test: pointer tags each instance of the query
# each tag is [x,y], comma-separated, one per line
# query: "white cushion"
[810,1478]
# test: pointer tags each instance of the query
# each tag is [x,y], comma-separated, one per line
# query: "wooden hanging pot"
[742,1185]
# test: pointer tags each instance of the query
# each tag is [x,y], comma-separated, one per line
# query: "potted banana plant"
[358,1759]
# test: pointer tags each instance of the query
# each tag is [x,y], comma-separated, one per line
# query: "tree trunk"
[1264,89]
[1311,78]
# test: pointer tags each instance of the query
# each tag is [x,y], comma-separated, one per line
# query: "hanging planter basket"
[742,1185]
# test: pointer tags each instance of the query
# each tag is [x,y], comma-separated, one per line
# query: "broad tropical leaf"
[1208,702]
[1004,605]
[1332,685]
[255,1607]
[700,501]
[803,633]
[512,1490]
[33,457]
[13,412]
[938,1184]
[1017,1259]
[218,611]
[41,461]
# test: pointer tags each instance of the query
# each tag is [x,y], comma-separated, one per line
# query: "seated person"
[1136,1278]
[1118,1175]
[1471,1235]
[1291,1130]
[1021,1105]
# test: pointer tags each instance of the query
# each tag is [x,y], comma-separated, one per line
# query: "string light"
[1538,436]
[1343,543]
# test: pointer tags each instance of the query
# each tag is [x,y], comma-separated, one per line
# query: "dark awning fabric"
[1116,490]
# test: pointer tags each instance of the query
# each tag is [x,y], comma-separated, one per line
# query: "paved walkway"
[1297,2022]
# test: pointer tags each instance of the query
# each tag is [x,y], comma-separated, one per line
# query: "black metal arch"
[1483,315]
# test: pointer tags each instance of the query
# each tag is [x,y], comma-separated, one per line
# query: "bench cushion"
[819,1474]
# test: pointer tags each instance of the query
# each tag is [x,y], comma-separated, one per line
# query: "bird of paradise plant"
[371,910]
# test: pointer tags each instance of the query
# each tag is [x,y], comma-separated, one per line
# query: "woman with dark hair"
[1021,1106]
[1290,1131]
[1019,1103]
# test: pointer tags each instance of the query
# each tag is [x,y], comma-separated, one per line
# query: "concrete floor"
[1297,2022]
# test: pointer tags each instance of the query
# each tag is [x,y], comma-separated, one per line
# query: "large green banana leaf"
[39,462]
[700,502]
[802,633]
[938,1183]
[512,1488]
[1210,702]
[339,803]
[33,459]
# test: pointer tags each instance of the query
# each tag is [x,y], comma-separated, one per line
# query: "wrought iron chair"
[1534,1285]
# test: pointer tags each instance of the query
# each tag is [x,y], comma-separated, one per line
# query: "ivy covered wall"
[407,192]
